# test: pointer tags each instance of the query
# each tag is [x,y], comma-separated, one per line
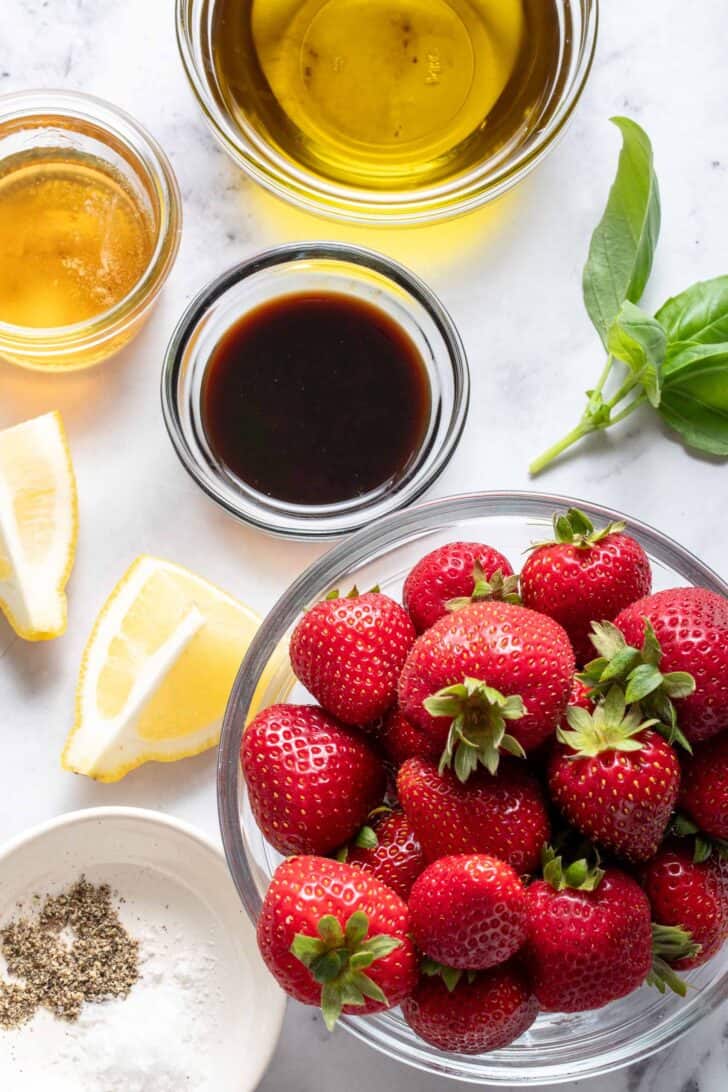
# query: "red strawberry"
[584,576]
[482,1012]
[614,778]
[693,895]
[691,626]
[704,791]
[334,935]
[483,666]
[311,781]
[468,911]
[402,740]
[459,570]
[580,695]
[503,816]
[349,652]
[590,943]
[390,851]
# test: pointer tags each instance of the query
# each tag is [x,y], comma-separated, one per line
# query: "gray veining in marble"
[511,277]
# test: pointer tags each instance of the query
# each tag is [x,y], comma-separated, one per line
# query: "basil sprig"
[676,360]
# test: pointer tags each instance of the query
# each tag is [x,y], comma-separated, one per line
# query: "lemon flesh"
[38,526]
[157,671]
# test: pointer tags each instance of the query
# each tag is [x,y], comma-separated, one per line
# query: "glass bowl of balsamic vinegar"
[314,388]
[387,111]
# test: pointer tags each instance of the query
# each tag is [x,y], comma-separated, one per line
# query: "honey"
[388,94]
[74,240]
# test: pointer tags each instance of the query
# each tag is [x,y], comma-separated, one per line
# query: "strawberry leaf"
[307,949]
[331,1004]
[370,988]
[641,681]
[449,975]
[338,958]
[637,672]
[380,946]
[478,714]
[356,929]
[366,839]
[669,944]
[330,931]
[576,529]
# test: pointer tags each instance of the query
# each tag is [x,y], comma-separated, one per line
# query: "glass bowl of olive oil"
[89,228]
[387,111]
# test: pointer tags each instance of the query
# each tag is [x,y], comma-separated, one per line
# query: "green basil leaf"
[640,342]
[699,314]
[695,397]
[623,244]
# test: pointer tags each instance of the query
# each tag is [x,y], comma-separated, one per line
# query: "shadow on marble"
[309,1060]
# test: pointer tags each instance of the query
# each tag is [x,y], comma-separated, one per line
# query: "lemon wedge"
[157,671]
[38,526]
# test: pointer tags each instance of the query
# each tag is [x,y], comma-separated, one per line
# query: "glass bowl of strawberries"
[482,818]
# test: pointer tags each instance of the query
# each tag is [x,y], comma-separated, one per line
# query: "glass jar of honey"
[89,228]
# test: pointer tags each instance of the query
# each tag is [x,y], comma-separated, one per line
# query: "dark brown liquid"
[316,399]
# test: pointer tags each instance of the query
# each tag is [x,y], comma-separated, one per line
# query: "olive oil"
[390,94]
[74,240]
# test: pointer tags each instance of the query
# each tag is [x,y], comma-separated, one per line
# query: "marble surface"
[511,277]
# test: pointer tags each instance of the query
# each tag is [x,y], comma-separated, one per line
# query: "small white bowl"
[177,890]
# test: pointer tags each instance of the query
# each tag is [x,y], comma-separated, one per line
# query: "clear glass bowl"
[557,1047]
[256,154]
[315,267]
[66,123]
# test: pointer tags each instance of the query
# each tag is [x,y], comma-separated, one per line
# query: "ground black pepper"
[72,951]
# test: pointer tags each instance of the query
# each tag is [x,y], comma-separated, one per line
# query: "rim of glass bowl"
[148,159]
[363,548]
[317,194]
[300,522]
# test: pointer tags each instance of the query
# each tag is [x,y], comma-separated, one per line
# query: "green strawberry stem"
[478,714]
[578,876]
[670,943]
[598,415]
[704,846]
[449,975]
[498,587]
[337,958]
[637,673]
[576,529]
[611,727]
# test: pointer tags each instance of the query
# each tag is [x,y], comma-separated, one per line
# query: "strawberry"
[468,911]
[483,1012]
[334,935]
[704,790]
[390,851]
[584,576]
[580,695]
[349,652]
[311,781]
[479,668]
[589,936]
[503,816]
[402,740]
[691,626]
[614,778]
[454,575]
[690,894]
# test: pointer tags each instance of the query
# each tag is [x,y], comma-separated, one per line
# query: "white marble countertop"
[511,277]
